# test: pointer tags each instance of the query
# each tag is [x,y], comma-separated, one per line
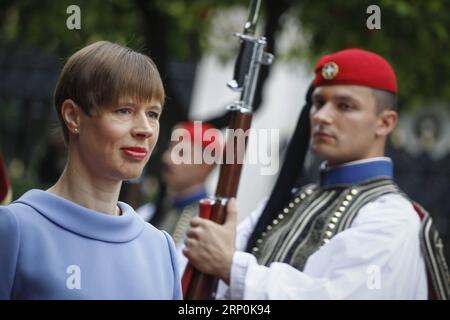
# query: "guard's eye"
[318,104]
[345,106]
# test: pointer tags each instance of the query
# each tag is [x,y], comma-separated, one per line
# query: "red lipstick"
[135,152]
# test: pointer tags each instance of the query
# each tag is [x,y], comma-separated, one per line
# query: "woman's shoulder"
[9,226]
[157,237]
[7,213]
[22,206]
[154,232]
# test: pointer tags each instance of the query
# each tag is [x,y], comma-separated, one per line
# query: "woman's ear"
[70,113]
[387,120]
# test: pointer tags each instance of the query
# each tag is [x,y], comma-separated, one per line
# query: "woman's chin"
[131,175]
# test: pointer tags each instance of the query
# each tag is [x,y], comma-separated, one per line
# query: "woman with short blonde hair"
[76,240]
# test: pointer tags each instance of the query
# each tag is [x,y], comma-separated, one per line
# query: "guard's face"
[117,144]
[182,169]
[344,124]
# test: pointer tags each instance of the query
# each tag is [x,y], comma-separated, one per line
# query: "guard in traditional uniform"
[354,234]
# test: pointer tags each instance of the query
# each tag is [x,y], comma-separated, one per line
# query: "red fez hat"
[355,67]
[197,130]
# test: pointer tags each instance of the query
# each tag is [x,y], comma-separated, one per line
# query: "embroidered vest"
[315,215]
[312,218]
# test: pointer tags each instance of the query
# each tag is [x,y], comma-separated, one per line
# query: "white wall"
[283,98]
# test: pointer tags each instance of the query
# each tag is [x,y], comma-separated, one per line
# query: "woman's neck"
[77,185]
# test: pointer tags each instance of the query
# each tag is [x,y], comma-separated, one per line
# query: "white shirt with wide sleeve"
[378,257]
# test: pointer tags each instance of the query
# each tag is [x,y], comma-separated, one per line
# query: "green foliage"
[42,24]
[414,35]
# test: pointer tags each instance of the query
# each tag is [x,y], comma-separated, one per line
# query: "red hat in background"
[197,130]
[355,67]
[5,188]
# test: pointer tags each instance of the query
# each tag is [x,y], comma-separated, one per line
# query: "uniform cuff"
[241,261]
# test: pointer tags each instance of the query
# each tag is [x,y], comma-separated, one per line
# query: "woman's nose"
[142,127]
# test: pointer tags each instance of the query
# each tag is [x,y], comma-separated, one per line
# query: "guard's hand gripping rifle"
[197,285]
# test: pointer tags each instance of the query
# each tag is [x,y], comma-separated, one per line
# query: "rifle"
[252,55]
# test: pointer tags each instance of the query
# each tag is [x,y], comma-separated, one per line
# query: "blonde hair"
[98,75]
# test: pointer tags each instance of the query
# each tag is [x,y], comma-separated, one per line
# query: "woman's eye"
[124,111]
[152,115]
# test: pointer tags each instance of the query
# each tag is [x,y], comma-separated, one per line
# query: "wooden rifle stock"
[197,285]
[252,55]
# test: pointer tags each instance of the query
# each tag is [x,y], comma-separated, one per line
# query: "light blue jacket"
[52,248]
